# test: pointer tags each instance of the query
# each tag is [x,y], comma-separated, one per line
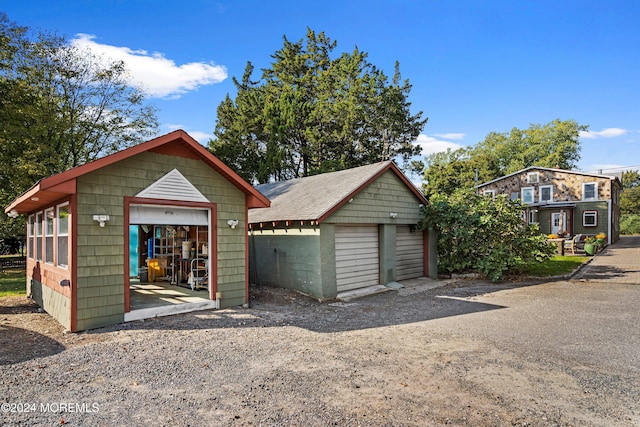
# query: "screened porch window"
[39,236]
[63,235]
[31,233]
[48,236]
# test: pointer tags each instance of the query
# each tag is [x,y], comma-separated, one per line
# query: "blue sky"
[476,66]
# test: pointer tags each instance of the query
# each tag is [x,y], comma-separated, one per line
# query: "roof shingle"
[311,198]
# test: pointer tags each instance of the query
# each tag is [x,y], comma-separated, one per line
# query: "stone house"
[562,201]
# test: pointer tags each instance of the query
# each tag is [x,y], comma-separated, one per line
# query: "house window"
[48,236]
[590,219]
[533,177]
[31,232]
[63,235]
[532,216]
[514,196]
[527,195]
[39,236]
[491,193]
[590,191]
[546,193]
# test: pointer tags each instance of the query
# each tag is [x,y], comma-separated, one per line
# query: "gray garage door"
[409,253]
[357,259]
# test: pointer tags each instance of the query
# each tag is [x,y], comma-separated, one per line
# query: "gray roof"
[313,197]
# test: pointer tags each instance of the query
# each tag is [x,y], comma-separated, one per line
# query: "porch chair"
[572,244]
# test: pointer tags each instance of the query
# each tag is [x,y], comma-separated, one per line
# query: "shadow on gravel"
[17,305]
[601,272]
[277,307]
[37,345]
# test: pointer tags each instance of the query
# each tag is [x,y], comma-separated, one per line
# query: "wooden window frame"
[594,214]
[531,181]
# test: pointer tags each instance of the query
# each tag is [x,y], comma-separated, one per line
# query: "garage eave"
[37,197]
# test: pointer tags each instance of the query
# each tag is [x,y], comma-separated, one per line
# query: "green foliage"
[478,233]
[630,179]
[313,112]
[60,107]
[553,145]
[630,196]
[12,282]
[630,224]
[555,266]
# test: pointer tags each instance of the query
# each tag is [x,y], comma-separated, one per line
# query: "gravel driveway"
[469,353]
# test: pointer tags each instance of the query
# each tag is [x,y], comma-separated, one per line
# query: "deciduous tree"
[630,197]
[60,107]
[553,145]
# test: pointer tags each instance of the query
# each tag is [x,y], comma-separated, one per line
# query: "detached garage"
[156,229]
[339,231]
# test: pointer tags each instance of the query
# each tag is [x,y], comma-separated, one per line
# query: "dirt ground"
[468,353]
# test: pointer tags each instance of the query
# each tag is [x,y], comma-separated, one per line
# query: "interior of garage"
[168,263]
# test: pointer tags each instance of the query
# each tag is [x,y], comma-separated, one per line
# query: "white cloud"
[604,133]
[158,76]
[202,137]
[456,136]
[432,145]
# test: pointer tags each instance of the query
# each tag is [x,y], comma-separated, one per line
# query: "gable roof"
[316,197]
[177,143]
[530,168]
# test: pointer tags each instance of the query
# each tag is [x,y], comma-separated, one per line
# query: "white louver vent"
[173,186]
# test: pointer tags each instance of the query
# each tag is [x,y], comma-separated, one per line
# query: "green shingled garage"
[336,232]
[155,229]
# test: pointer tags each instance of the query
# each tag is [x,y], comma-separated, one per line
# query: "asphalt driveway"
[618,263]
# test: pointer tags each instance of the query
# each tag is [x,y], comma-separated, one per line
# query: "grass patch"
[556,266]
[13,282]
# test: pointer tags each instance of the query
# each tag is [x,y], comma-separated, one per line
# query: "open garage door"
[357,257]
[161,215]
[409,253]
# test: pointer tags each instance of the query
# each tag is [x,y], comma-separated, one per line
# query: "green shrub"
[480,234]
[630,224]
